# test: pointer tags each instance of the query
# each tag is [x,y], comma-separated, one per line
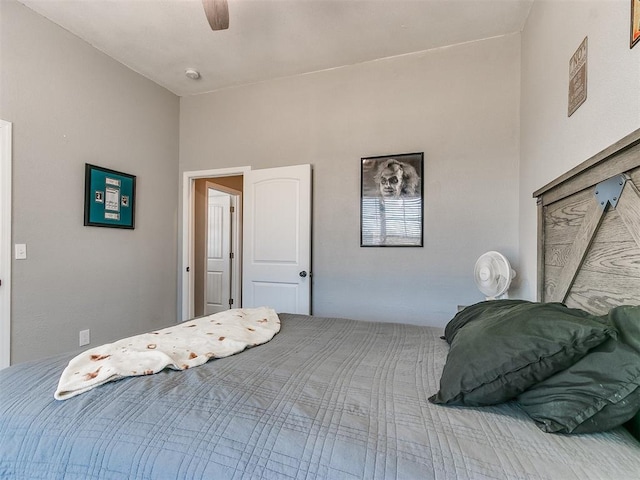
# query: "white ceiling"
[267,39]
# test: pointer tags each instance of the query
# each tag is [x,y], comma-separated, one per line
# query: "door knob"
[303,274]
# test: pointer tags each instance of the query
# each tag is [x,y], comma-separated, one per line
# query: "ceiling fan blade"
[217,12]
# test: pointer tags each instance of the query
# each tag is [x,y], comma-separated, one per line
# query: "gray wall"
[553,143]
[70,104]
[458,105]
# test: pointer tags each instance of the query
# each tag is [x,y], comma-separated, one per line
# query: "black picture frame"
[391,200]
[109,198]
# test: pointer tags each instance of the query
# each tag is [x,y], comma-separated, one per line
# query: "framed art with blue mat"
[109,198]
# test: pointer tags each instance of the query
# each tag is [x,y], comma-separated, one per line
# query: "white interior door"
[5,243]
[277,239]
[217,290]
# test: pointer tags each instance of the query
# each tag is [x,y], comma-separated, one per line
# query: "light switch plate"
[85,337]
[21,251]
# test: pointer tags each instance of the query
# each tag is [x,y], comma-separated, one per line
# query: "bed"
[331,398]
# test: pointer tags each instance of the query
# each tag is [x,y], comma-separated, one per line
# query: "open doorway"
[217,244]
[189,238]
[275,239]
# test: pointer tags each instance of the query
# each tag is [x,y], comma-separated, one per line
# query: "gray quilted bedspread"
[325,399]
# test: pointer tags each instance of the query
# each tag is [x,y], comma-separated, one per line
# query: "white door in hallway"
[277,239]
[217,290]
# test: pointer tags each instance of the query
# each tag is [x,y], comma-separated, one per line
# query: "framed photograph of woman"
[391,201]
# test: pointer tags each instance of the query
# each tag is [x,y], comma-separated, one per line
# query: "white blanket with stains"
[182,346]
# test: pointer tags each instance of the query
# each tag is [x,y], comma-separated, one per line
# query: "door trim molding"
[5,242]
[185,295]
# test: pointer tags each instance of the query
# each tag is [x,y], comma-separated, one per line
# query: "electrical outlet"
[85,337]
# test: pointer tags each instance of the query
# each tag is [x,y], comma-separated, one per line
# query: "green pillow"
[600,391]
[505,346]
[627,319]
[480,310]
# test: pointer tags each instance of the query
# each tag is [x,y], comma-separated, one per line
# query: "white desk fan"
[493,275]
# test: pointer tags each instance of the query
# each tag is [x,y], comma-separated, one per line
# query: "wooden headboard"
[589,231]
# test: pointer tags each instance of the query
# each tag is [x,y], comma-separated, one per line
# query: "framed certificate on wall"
[109,198]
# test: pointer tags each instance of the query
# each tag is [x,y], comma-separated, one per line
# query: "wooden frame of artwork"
[635,23]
